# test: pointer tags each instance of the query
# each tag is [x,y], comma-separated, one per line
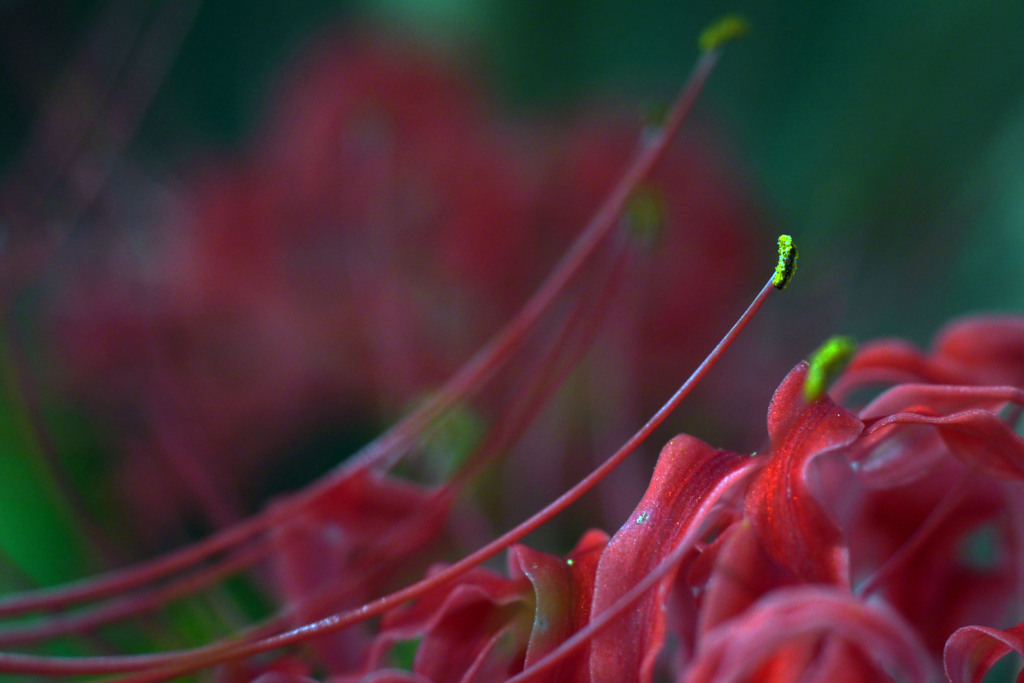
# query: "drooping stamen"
[826,364]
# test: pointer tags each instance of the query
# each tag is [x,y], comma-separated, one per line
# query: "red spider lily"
[751,622]
[836,553]
[747,560]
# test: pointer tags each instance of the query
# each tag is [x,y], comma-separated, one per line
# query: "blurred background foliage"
[888,138]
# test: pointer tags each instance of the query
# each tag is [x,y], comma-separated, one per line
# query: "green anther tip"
[728,28]
[787,262]
[645,215]
[826,363]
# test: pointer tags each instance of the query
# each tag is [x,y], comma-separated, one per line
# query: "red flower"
[863,543]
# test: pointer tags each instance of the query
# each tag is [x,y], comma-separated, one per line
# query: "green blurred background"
[888,138]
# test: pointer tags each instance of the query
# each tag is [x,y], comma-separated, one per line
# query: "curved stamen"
[386,450]
[393,443]
[191,660]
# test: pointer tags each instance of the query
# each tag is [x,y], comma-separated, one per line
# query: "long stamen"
[146,601]
[390,445]
[187,661]
[184,661]
[122,580]
[550,370]
[388,448]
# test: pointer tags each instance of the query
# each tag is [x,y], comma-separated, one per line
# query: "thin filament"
[185,661]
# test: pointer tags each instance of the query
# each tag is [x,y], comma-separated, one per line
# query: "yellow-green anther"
[645,215]
[826,363]
[728,28]
[456,435]
[787,262]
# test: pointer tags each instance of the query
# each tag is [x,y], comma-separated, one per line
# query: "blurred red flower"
[381,225]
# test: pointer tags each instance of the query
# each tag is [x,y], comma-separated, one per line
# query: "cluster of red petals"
[864,543]
[381,225]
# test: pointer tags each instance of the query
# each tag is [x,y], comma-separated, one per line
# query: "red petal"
[941,399]
[788,619]
[683,488]
[977,437]
[896,455]
[891,454]
[477,585]
[563,591]
[463,617]
[841,662]
[981,350]
[460,636]
[914,545]
[888,361]
[794,528]
[988,349]
[477,643]
[972,650]
[742,573]
[382,676]
[279,677]
[343,544]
